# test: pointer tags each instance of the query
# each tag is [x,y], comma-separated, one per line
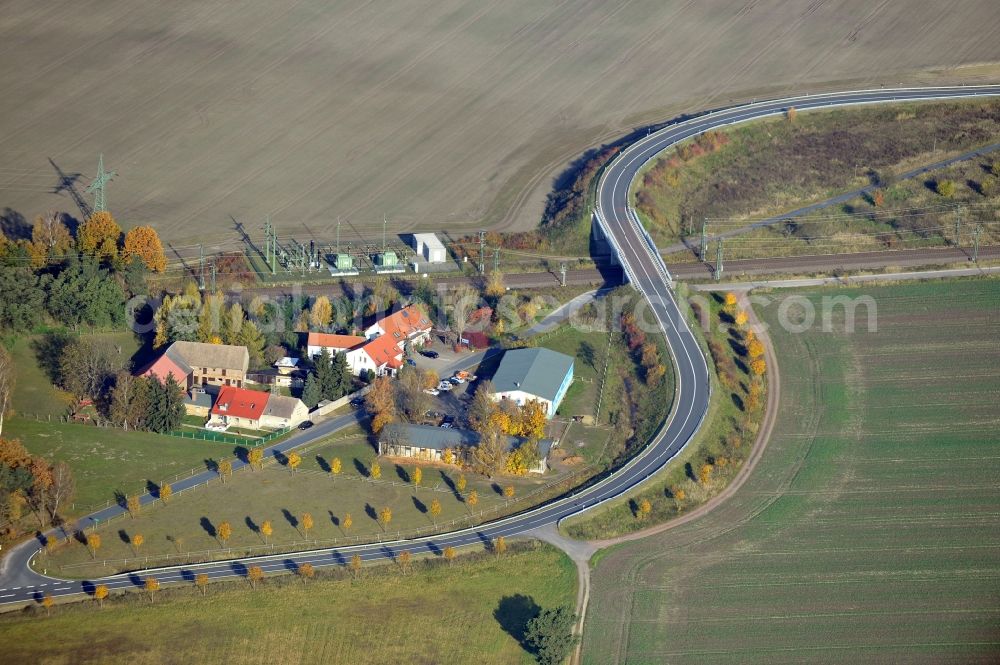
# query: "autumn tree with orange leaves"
[142,242]
[381,403]
[99,236]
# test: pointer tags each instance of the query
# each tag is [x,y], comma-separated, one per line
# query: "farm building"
[199,364]
[533,374]
[253,409]
[427,246]
[428,443]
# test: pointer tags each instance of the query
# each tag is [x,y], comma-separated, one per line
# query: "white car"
[445,386]
[432,391]
[457,380]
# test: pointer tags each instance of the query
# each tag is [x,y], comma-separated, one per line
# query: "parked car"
[305,424]
[447,426]
[448,420]
[411,362]
[457,380]
[430,354]
[358,402]
[432,391]
[445,386]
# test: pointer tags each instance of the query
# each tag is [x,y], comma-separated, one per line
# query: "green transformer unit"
[345,262]
[387,260]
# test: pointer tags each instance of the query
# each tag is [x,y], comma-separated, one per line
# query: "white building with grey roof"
[533,374]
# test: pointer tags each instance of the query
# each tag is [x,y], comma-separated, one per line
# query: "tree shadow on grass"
[291,519]
[253,526]
[451,484]
[209,528]
[370,511]
[419,505]
[211,465]
[513,614]
[323,464]
[403,474]
[361,468]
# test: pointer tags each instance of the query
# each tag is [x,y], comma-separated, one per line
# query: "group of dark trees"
[70,280]
[330,379]
[97,370]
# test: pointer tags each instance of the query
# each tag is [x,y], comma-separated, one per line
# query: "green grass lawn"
[108,460]
[437,614]
[869,532]
[188,522]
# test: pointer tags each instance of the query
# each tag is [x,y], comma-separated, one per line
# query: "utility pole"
[482,252]
[975,243]
[718,260]
[213,276]
[274,251]
[496,259]
[99,184]
[704,240]
[562,272]
[201,267]
[385,224]
[338,235]
[958,228]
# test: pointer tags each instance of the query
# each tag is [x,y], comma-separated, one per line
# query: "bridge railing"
[654,253]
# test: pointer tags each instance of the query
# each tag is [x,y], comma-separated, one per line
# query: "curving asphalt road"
[646,272]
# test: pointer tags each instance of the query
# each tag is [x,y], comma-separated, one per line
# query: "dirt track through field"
[449,116]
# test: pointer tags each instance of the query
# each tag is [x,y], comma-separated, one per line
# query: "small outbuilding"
[428,443]
[428,247]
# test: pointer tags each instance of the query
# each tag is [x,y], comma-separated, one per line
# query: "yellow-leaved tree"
[255,574]
[152,586]
[142,242]
[99,236]
[100,593]
[321,312]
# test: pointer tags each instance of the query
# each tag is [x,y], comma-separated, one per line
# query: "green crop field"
[870,530]
[461,613]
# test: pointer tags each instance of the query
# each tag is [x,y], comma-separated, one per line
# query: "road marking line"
[61,588]
[9,595]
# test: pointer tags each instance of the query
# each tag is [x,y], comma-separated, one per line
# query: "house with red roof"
[382,348]
[254,409]
[409,325]
[317,342]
